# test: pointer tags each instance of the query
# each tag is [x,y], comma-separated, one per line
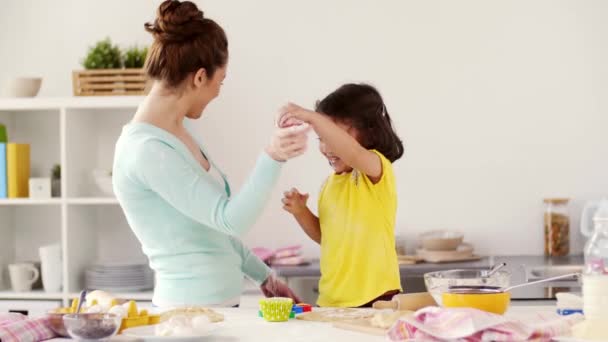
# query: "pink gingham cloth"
[472,325]
[15,327]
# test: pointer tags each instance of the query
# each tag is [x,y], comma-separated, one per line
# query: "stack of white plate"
[119,277]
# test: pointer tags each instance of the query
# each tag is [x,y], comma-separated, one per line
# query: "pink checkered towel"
[15,327]
[472,325]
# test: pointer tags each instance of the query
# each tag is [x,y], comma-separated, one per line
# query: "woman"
[176,200]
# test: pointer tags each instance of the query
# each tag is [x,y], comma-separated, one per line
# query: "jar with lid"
[557,227]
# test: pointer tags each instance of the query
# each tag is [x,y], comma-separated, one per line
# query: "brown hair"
[361,106]
[184,42]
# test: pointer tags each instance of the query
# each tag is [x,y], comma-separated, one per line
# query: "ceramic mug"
[50,260]
[23,276]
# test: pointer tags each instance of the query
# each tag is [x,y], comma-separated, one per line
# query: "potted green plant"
[109,71]
[134,57]
[103,55]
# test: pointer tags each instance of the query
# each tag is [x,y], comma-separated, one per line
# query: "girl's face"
[335,162]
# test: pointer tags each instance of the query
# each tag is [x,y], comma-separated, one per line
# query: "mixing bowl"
[437,283]
[91,326]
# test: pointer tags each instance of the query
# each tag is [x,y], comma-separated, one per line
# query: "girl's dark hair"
[184,42]
[361,106]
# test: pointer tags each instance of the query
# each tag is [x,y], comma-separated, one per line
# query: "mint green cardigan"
[187,222]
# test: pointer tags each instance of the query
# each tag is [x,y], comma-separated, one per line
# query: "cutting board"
[409,259]
[365,325]
[335,315]
[361,325]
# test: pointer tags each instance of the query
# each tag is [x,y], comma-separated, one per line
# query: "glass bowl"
[56,323]
[438,282]
[91,326]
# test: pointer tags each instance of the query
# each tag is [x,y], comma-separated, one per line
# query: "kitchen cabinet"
[79,134]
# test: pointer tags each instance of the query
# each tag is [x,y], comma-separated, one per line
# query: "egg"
[118,310]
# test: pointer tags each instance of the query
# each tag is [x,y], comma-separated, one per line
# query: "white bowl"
[441,240]
[103,181]
[21,87]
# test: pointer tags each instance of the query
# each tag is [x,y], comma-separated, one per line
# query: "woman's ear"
[200,78]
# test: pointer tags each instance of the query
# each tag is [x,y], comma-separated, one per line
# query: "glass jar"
[557,227]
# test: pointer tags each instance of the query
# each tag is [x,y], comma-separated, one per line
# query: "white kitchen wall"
[499,103]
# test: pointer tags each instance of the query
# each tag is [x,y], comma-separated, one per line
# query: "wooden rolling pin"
[409,301]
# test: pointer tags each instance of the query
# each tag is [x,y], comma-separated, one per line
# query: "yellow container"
[497,303]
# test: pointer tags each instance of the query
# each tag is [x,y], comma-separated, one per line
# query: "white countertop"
[245,325]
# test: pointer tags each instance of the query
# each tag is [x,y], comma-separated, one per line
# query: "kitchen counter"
[245,325]
[313,269]
[304,279]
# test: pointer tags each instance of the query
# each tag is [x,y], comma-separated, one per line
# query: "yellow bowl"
[497,303]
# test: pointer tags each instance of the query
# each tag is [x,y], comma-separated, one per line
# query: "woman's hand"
[294,202]
[287,143]
[273,287]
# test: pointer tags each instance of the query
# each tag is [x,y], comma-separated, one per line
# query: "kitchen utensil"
[441,240]
[276,309]
[81,299]
[408,301]
[496,289]
[337,314]
[493,270]
[23,276]
[489,301]
[91,326]
[487,298]
[360,325]
[21,87]
[438,282]
[51,267]
[409,259]
[56,323]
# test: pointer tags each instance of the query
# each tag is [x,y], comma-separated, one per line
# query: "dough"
[213,316]
[387,319]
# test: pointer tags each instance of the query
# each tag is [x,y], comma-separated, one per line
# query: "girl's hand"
[287,143]
[294,202]
[292,114]
[273,287]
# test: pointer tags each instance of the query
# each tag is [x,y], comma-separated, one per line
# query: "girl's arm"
[345,146]
[310,224]
[295,203]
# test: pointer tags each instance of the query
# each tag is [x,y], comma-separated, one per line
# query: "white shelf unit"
[79,134]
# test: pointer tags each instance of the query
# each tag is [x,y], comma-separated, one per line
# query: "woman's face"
[205,89]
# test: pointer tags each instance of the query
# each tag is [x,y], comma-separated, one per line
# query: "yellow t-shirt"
[357,219]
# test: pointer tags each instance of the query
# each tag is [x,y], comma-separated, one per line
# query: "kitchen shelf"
[143,296]
[79,134]
[35,294]
[58,201]
[93,201]
[76,102]
[29,201]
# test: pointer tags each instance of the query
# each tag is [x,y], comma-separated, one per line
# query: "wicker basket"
[109,82]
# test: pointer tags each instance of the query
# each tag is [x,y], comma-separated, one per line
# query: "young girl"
[358,202]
